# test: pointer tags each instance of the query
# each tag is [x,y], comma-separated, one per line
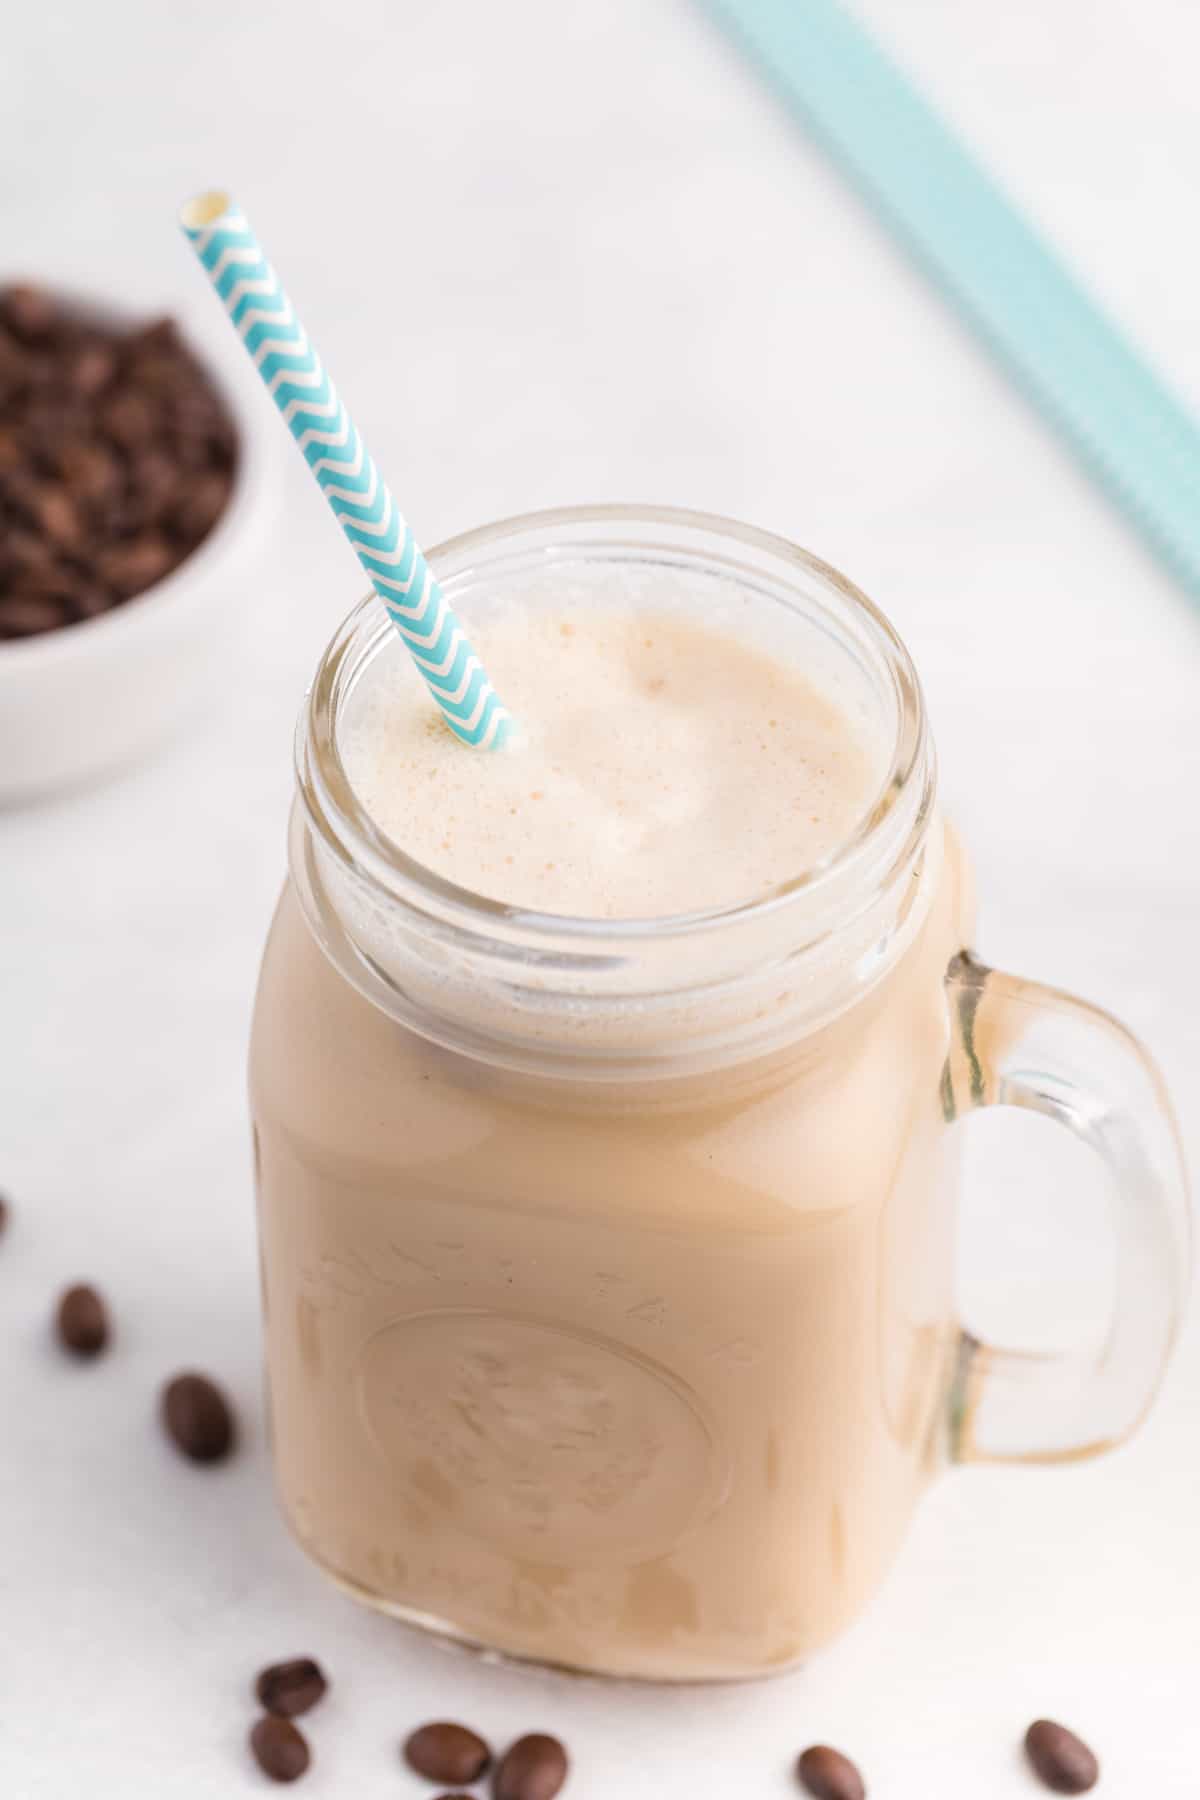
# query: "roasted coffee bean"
[29,313]
[200,504]
[131,567]
[159,336]
[25,615]
[447,1753]
[57,516]
[20,490]
[194,407]
[91,472]
[40,380]
[20,551]
[4,1211]
[161,373]
[91,367]
[222,445]
[193,450]
[828,1775]
[127,417]
[82,1321]
[154,483]
[87,602]
[51,420]
[288,1689]
[279,1748]
[1060,1759]
[534,1768]
[198,1418]
[14,370]
[50,578]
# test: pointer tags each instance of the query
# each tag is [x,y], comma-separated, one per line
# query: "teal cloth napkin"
[1123,423]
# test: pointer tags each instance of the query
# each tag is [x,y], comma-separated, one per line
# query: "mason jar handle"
[1016,1043]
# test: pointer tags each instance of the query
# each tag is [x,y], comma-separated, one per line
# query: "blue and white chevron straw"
[295,378]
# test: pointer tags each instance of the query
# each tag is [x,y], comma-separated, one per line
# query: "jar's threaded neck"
[655,995]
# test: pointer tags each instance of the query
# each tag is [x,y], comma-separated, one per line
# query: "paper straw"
[295,378]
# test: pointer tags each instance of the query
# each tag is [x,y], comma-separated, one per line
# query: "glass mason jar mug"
[608,1264]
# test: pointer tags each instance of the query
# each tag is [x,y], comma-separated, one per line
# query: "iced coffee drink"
[603,1092]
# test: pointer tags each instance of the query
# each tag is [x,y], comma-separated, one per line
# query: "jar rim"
[335,811]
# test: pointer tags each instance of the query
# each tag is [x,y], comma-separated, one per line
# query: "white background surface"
[559,250]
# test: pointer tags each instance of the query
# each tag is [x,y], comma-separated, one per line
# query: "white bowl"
[81,701]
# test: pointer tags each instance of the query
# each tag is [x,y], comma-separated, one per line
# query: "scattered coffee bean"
[828,1775]
[117,457]
[279,1748]
[288,1689]
[3,1214]
[447,1753]
[198,1418]
[82,1321]
[534,1768]
[1060,1759]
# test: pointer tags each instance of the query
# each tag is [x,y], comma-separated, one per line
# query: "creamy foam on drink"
[660,765]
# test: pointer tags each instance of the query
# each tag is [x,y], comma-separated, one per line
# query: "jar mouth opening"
[643,535]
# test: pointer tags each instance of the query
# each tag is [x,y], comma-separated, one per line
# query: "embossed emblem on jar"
[548,1442]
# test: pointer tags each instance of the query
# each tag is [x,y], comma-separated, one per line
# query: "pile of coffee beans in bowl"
[117,458]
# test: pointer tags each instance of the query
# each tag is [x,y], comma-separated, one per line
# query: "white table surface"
[561,250]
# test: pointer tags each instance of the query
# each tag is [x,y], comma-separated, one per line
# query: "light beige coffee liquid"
[641,1378]
[660,766]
